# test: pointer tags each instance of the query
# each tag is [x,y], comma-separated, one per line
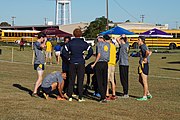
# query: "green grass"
[18,78]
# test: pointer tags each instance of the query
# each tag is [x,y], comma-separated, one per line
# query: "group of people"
[73,65]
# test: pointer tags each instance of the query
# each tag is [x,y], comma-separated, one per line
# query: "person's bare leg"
[39,80]
[145,83]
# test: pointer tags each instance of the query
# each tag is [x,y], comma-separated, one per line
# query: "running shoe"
[81,100]
[149,96]
[35,95]
[141,99]
[103,101]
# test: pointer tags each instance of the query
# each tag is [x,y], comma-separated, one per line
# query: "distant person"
[111,71]
[22,42]
[53,81]
[65,63]
[39,60]
[101,67]
[123,64]
[143,69]
[48,52]
[75,54]
[57,50]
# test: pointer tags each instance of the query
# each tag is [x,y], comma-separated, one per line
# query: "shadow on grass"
[176,62]
[23,88]
[173,69]
[121,94]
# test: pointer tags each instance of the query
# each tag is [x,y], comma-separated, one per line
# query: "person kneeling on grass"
[52,81]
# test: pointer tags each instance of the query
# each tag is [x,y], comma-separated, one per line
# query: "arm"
[90,53]
[43,45]
[65,52]
[148,53]
[118,40]
[60,89]
[97,59]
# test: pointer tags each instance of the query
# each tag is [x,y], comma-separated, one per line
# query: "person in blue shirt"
[57,50]
[74,52]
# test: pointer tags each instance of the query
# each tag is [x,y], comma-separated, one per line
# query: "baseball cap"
[106,37]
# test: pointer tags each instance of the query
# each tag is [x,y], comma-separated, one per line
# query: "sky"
[33,12]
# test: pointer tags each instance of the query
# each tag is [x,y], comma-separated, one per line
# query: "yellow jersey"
[112,58]
[48,46]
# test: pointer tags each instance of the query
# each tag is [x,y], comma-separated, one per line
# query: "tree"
[5,24]
[97,26]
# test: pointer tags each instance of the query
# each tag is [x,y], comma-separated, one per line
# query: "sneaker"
[45,96]
[124,96]
[70,99]
[81,100]
[98,95]
[103,101]
[149,96]
[35,95]
[74,95]
[113,97]
[108,98]
[141,99]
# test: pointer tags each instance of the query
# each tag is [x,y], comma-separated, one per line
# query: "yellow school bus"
[172,43]
[15,35]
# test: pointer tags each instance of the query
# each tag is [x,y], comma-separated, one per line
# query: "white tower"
[63,12]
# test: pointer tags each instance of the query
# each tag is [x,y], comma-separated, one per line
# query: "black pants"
[101,70]
[66,82]
[79,71]
[21,47]
[124,71]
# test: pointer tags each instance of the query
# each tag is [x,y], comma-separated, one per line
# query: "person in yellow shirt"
[48,52]
[111,72]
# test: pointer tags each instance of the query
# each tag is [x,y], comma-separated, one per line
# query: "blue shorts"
[47,90]
[38,67]
[143,68]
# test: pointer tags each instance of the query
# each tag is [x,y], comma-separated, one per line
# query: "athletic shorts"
[38,67]
[143,68]
[111,72]
[47,90]
[48,55]
[57,53]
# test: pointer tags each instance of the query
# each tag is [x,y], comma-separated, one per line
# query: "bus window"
[178,35]
[15,34]
[6,34]
[18,34]
[12,34]
[174,35]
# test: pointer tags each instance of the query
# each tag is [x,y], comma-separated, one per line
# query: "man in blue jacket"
[74,51]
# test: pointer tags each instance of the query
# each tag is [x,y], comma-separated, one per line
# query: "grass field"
[17,80]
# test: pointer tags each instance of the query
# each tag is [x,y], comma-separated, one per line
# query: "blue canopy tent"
[118,31]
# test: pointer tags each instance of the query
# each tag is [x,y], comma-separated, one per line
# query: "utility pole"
[45,21]
[177,25]
[107,15]
[142,18]
[13,20]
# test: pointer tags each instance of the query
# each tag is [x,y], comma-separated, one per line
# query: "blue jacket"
[74,51]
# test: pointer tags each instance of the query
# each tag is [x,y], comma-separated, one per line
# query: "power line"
[126,10]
